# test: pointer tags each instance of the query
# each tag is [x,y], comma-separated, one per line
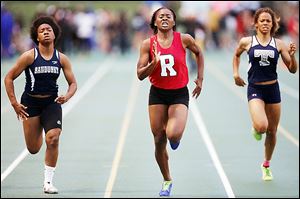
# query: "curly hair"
[153,27]
[275,18]
[44,20]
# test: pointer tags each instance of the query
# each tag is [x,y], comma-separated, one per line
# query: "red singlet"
[171,71]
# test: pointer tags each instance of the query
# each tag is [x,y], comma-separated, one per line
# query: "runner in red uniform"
[162,59]
[171,72]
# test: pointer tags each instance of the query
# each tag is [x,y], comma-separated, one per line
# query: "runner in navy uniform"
[40,106]
[263,88]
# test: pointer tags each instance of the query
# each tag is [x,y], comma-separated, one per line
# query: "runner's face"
[264,23]
[45,34]
[164,19]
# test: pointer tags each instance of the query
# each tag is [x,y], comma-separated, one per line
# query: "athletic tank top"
[262,61]
[41,75]
[171,71]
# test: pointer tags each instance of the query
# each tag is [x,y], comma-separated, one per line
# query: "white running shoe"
[49,188]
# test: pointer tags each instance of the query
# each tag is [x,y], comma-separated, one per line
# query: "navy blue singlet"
[262,61]
[42,75]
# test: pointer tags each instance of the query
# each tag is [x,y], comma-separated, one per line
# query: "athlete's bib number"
[167,62]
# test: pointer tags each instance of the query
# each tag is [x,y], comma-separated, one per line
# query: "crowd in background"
[214,24]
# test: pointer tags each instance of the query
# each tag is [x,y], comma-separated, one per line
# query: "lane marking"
[289,90]
[211,149]
[123,133]
[14,164]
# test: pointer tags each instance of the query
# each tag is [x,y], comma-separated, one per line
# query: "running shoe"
[50,189]
[266,173]
[166,188]
[174,145]
[256,134]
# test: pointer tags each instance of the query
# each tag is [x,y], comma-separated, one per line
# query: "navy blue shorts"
[270,94]
[49,111]
[169,96]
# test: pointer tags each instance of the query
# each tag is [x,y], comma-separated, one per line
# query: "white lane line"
[128,114]
[288,135]
[235,89]
[89,84]
[289,90]
[14,164]
[211,149]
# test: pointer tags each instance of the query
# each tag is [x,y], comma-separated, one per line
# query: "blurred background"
[119,27]
[108,113]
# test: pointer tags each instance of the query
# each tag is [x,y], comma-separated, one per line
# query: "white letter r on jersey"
[167,62]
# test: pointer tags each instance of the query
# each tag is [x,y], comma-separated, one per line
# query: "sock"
[266,163]
[48,174]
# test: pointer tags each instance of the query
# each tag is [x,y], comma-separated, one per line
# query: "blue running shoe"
[174,145]
[166,188]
